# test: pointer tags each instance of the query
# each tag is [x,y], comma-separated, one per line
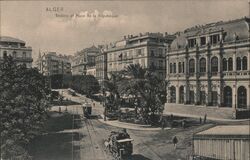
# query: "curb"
[130,126]
[209,118]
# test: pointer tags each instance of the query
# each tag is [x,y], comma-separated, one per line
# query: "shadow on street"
[139,157]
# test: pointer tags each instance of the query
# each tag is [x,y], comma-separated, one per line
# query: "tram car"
[87,110]
[119,144]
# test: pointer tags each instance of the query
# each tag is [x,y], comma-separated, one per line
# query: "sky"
[76,25]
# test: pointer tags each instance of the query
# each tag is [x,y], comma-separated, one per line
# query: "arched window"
[227,96]
[242,97]
[224,64]
[191,66]
[230,64]
[214,64]
[202,65]
[171,67]
[14,54]
[174,67]
[244,63]
[179,67]
[238,63]
[4,53]
[172,94]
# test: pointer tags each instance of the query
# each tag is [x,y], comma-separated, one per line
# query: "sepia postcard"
[125,80]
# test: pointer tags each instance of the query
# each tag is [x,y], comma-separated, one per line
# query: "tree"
[148,90]
[85,84]
[111,86]
[24,101]
[135,74]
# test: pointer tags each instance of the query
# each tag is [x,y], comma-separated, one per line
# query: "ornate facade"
[209,65]
[16,48]
[84,59]
[147,49]
[101,67]
[51,63]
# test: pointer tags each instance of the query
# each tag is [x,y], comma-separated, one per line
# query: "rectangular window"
[179,68]
[160,75]
[203,41]
[160,64]
[24,55]
[191,43]
[152,53]
[160,52]
[215,39]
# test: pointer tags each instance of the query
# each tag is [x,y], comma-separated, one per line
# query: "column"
[234,97]
[177,94]
[167,65]
[168,95]
[248,97]
[248,63]
[186,94]
[196,95]
[234,62]
[219,93]
[220,64]
[209,93]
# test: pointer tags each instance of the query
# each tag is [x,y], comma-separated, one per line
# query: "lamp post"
[104,103]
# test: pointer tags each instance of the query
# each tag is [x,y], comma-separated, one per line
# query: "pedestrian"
[162,123]
[171,117]
[205,118]
[200,120]
[183,123]
[175,141]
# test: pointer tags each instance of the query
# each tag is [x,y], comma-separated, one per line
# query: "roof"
[235,28]
[231,130]
[10,39]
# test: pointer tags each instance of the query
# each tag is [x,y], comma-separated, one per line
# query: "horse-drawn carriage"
[119,144]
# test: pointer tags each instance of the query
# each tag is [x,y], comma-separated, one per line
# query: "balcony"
[214,74]
[202,74]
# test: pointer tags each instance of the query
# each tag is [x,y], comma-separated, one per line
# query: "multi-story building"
[208,68]
[101,66]
[148,50]
[83,59]
[51,63]
[16,48]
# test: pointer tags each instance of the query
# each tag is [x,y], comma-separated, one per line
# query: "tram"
[87,110]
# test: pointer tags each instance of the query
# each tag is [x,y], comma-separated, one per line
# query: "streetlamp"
[104,103]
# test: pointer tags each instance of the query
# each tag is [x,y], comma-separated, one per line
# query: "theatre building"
[208,69]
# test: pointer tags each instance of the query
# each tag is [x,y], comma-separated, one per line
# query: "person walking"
[175,141]
[163,123]
[205,119]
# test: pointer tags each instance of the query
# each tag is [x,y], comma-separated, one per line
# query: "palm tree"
[111,85]
[134,78]
[146,88]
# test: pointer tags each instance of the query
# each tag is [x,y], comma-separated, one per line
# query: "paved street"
[148,145]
